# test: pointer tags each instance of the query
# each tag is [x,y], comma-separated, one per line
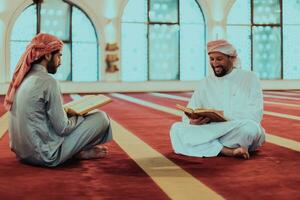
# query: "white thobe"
[40,131]
[239,95]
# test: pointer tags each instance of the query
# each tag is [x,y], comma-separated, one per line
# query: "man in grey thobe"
[41,133]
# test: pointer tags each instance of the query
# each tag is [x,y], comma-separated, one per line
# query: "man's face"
[54,63]
[220,63]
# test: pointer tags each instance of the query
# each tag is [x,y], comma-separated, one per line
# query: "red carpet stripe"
[182,94]
[282,127]
[230,177]
[282,109]
[282,100]
[114,177]
[169,102]
[284,94]
[293,91]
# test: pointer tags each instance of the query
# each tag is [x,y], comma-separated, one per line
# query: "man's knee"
[175,128]
[99,120]
[250,129]
[103,119]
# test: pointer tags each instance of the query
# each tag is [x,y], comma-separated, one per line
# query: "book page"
[86,104]
[185,109]
[82,99]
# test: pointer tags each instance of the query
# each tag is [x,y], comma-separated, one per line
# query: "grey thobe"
[40,131]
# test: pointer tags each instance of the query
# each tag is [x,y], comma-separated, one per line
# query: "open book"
[86,104]
[214,115]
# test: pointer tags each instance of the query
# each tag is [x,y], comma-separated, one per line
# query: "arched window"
[80,61]
[261,37]
[163,40]
[291,43]
[267,39]
[239,31]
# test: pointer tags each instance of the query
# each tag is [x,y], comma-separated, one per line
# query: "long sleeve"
[57,116]
[194,102]
[253,103]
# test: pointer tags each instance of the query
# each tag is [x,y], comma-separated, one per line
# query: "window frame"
[38,5]
[279,25]
[149,23]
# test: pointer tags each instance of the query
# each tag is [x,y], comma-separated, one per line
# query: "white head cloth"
[223,46]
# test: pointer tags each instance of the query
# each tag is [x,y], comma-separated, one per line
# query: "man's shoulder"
[243,72]
[46,77]
[43,80]
[204,80]
[203,83]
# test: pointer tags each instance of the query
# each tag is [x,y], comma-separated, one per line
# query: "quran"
[214,115]
[86,104]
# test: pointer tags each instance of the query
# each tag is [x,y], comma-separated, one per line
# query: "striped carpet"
[141,164]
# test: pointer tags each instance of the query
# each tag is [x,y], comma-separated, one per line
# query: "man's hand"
[69,114]
[199,121]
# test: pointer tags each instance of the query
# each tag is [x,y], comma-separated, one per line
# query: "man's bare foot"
[241,152]
[237,152]
[94,153]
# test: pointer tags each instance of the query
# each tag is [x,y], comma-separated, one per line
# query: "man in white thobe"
[40,131]
[234,91]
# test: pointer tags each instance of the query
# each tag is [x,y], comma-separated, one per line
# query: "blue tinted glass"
[134,52]
[163,11]
[190,12]
[266,52]
[55,18]
[291,44]
[240,37]
[84,62]
[24,28]
[291,12]
[135,11]
[82,28]
[240,13]
[163,52]
[64,71]
[291,47]
[266,12]
[16,51]
[192,54]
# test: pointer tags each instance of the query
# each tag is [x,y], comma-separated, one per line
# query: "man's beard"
[51,67]
[222,73]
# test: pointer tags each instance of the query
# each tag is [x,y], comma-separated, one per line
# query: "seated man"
[41,133]
[234,91]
